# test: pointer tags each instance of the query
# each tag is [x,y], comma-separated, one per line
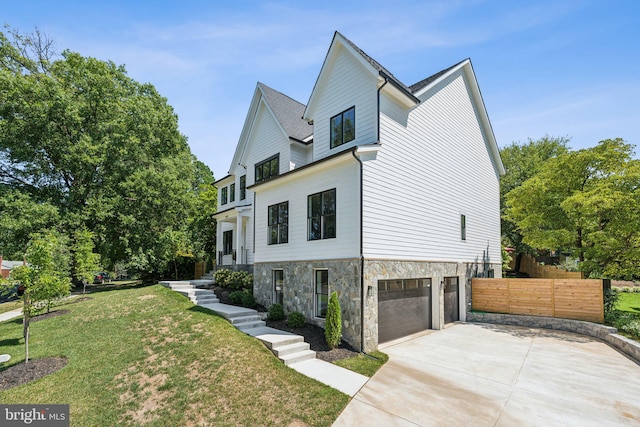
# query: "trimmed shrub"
[611,297]
[333,322]
[248,300]
[276,312]
[236,297]
[241,280]
[223,277]
[295,320]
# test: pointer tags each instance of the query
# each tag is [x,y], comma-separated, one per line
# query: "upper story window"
[343,127]
[321,215]
[463,227]
[232,192]
[279,223]
[243,187]
[223,196]
[267,169]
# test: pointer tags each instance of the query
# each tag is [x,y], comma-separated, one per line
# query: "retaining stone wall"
[605,333]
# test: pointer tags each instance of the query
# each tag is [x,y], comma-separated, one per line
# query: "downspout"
[355,156]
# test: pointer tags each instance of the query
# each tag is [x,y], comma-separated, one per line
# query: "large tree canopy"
[586,202]
[521,162]
[80,139]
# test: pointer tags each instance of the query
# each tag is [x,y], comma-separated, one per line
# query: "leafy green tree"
[86,261]
[78,136]
[21,216]
[586,202]
[333,322]
[44,279]
[521,162]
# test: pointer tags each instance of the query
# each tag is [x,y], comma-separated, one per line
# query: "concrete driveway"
[493,375]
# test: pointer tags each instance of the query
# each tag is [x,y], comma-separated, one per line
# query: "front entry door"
[278,286]
[451,300]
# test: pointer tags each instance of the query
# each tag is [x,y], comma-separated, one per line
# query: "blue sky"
[559,67]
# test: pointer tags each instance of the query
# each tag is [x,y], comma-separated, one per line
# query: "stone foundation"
[344,278]
[298,291]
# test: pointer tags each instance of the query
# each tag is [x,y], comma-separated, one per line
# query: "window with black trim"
[321,292]
[321,215]
[243,187]
[232,192]
[268,169]
[343,127]
[227,242]
[278,223]
[223,196]
[463,227]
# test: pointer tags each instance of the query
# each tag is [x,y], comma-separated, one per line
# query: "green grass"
[629,301]
[10,306]
[363,364]
[148,356]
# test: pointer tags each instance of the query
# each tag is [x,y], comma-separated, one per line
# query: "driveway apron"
[494,375]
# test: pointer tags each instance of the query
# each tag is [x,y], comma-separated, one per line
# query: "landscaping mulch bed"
[33,370]
[314,335]
[48,315]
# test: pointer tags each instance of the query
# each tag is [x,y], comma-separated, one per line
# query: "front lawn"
[365,364]
[10,306]
[629,301]
[148,356]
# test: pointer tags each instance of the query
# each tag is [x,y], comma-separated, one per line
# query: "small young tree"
[86,262]
[44,278]
[333,322]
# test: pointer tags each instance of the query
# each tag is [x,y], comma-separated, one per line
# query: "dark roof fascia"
[300,141]
[402,88]
[231,209]
[222,179]
[426,82]
[310,165]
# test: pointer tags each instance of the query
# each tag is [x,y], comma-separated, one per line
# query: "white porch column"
[239,241]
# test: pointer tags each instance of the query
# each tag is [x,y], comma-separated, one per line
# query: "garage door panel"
[403,312]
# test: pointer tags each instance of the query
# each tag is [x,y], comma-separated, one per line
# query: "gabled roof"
[288,112]
[426,82]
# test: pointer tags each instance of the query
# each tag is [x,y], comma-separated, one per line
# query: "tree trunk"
[518,262]
[25,326]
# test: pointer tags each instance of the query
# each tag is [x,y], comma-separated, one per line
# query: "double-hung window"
[321,215]
[268,169]
[232,192]
[343,127]
[279,223]
[243,187]
[321,292]
[223,196]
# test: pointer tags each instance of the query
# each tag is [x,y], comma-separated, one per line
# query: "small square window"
[463,227]
[343,127]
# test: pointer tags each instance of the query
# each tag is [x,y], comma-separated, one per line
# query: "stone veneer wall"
[394,269]
[344,278]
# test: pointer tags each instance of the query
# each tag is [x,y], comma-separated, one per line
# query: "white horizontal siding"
[349,84]
[434,165]
[345,179]
[300,155]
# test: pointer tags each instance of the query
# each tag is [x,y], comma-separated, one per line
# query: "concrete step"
[286,350]
[242,319]
[250,324]
[205,299]
[276,340]
[300,356]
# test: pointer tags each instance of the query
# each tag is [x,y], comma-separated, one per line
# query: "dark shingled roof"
[423,83]
[288,112]
[377,66]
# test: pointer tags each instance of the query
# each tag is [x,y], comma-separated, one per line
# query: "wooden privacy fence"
[200,269]
[563,298]
[533,268]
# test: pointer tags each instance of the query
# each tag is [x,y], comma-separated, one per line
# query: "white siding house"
[384,193]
